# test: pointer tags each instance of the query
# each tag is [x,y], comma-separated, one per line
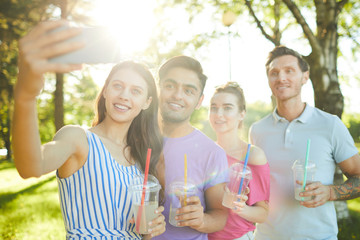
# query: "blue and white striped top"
[95,201]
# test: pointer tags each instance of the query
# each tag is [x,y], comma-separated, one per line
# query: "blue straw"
[305,167]
[244,169]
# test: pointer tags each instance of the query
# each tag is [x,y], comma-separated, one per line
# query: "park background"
[230,38]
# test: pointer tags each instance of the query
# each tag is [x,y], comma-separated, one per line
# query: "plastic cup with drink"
[179,192]
[303,175]
[239,178]
[145,200]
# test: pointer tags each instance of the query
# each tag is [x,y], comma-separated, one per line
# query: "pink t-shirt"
[259,191]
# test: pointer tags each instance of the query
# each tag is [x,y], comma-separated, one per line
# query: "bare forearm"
[26,139]
[214,220]
[350,189]
[255,214]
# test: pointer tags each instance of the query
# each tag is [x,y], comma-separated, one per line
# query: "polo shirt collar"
[303,118]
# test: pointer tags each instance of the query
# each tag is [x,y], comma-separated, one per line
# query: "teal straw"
[244,169]
[305,167]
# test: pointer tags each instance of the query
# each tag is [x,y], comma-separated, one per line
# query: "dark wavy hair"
[144,130]
[281,50]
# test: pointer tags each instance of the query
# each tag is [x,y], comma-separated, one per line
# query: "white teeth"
[122,107]
[175,105]
[282,87]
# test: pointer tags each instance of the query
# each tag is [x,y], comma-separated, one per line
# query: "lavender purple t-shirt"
[207,166]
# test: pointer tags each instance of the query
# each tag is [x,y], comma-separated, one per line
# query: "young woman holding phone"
[94,167]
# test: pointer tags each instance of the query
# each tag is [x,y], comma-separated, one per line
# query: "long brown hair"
[144,130]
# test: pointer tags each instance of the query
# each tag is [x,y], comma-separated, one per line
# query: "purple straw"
[244,169]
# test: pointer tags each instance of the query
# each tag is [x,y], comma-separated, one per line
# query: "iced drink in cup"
[238,181]
[178,194]
[150,204]
[299,173]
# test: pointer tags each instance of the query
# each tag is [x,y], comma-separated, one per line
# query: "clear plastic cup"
[237,176]
[143,214]
[299,172]
[178,194]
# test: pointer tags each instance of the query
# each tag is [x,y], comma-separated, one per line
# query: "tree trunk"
[5,124]
[59,101]
[8,123]
[324,76]
[59,91]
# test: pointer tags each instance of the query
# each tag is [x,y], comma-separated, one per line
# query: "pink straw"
[144,188]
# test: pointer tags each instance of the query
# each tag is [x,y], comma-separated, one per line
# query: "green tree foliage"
[72,10]
[319,25]
[349,25]
[45,110]
[16,17]
[352,122]
[82,91]
[79,94]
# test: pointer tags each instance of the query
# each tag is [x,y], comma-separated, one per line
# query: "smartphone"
[100,47]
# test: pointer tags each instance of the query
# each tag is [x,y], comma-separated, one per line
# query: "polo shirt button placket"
[288,136]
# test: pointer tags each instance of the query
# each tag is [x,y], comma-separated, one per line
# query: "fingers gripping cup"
[179,192]
[299,174]
[239,179]
[150,202]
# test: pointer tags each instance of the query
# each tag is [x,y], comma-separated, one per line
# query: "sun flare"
[130,21]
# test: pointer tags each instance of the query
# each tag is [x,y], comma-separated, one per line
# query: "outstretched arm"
[34,51]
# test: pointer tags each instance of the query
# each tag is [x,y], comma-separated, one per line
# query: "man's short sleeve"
[343,143]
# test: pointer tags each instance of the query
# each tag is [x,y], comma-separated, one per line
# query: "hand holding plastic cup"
[239,179]
[299,174]
[150,201]
[179,192]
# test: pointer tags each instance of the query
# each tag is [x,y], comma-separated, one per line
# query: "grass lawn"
[29,209]
[351,230]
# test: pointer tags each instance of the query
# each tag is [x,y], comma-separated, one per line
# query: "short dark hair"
[184,62]
[281,50]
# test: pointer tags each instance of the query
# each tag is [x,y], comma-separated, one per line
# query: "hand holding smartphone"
[100,47]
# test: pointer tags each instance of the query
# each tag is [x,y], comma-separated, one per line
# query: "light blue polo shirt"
[283,143]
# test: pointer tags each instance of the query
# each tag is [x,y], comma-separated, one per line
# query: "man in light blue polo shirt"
[283,136]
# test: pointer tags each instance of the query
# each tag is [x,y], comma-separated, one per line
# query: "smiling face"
[180,95]
[286,78]
[224,113]
[126,95]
